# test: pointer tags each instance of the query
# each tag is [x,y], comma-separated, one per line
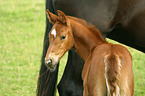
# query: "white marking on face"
[53,32]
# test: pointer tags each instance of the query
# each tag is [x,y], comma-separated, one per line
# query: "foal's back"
[110,69]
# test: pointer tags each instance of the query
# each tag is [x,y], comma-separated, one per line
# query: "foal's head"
[60,39]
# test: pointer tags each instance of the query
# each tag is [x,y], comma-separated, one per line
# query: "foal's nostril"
[48,62]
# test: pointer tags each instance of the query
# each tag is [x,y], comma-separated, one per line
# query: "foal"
[108,67]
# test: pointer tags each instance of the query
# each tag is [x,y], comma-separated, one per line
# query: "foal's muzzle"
[50,63]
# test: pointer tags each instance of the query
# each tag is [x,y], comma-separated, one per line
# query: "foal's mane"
[91,27]
[83,22]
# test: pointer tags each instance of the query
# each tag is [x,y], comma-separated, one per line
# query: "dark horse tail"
[112,70]
[47,80]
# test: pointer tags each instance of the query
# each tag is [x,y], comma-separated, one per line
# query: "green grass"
[22,27]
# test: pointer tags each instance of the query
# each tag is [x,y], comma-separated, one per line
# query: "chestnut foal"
[108,67]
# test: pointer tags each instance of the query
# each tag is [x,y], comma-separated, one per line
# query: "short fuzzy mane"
[96,32]
[83,22]
[91,27]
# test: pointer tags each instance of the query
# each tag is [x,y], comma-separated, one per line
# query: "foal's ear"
[62,17]
[52,17]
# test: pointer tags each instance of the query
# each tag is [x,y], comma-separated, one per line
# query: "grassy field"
[22,27]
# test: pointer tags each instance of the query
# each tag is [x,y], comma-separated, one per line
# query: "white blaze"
[53,32]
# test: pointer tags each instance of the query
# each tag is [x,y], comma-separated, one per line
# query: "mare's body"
[122,20]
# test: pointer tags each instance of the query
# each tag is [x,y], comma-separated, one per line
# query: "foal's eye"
[63,37]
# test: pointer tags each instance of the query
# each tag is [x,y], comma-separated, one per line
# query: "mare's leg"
[71,83]
[47,80]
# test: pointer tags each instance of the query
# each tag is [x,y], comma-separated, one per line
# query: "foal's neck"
[85,38]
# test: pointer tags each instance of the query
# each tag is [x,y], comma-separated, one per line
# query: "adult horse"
[121,20]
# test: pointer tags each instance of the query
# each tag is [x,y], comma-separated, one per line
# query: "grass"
[22,27]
